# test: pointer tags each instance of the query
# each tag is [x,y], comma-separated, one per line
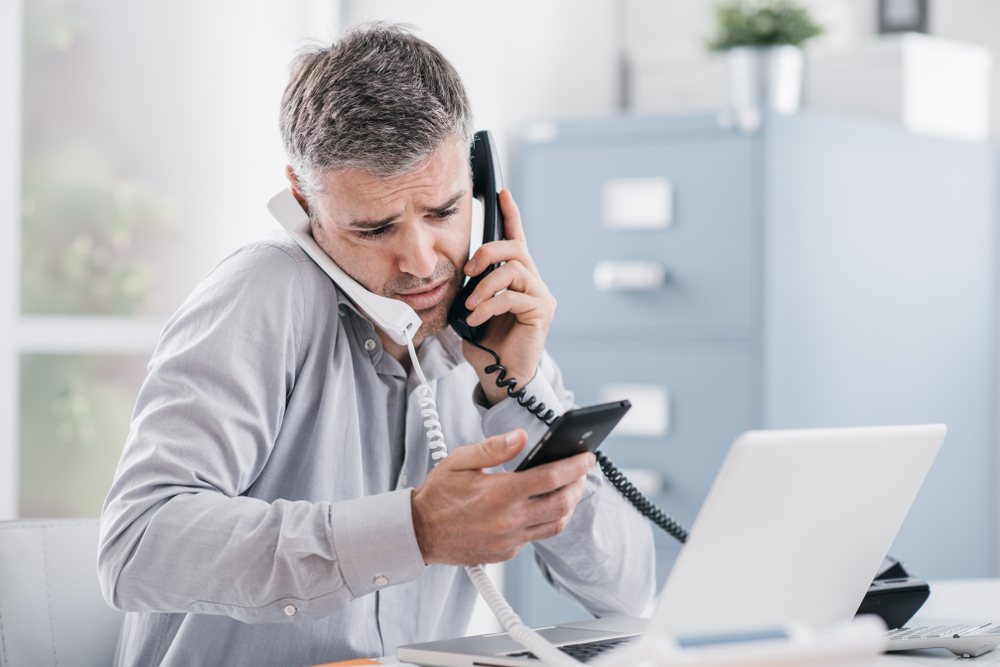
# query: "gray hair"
[379,99]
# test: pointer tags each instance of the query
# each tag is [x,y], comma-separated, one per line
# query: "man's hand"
[521,312]
[464,516]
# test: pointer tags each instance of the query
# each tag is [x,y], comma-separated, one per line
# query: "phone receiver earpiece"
[487,182]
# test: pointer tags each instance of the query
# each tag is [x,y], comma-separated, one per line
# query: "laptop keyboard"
[583,652]
[935,631]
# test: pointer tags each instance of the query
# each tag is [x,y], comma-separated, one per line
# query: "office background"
[138,144]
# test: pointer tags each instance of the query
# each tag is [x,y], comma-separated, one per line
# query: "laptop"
[793,530]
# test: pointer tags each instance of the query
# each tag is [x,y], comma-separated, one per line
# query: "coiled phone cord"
[511,622]
[639,501]
[614,475]
[510,384]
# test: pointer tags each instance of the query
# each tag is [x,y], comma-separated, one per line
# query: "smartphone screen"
[576,431]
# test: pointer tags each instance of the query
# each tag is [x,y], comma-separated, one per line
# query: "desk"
[956,601]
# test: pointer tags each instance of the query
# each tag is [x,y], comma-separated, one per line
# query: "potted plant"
[762,41]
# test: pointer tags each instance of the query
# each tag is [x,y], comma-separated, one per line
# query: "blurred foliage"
[75,413]
[81,225]
[762,23]
[51,25]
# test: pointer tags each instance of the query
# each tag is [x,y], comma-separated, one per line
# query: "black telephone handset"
[486,185]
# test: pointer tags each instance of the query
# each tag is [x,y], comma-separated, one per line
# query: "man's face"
[405,238]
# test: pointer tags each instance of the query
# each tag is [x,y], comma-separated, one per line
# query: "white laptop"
[793,530]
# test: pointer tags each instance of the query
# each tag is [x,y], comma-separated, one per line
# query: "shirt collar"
[438,355]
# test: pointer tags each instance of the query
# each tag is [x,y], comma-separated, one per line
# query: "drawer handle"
[629,276]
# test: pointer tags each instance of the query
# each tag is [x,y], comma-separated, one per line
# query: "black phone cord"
[639,501]
[614,475]
[511,383]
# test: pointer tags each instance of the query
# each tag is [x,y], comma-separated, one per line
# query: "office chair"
[51,608]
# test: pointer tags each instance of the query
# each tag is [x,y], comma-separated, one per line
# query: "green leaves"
[767,23]
[87,235]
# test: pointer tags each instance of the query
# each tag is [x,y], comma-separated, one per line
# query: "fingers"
[527,309]
[513,247]
[463,516]
[553,476]
[511,217]
[535,518]
[512,275]
[512,289]
[554,511]
[497,252]
[488,453]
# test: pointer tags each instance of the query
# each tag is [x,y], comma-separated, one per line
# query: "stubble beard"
[435,318]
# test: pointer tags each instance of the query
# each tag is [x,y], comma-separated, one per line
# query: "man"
[276,502]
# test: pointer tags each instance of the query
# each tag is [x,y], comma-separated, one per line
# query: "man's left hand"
[514,300]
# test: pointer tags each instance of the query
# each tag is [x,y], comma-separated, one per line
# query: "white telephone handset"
[391,316]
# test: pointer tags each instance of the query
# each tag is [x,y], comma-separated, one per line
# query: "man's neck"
[397,351]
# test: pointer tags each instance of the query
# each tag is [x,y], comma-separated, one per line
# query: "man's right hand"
[464,516]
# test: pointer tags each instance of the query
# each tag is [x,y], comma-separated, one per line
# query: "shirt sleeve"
[179,532]
[605,558]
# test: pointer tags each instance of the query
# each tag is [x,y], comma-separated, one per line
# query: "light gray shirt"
[260,514]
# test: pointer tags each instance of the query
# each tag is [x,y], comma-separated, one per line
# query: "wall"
[559,59]
[520,59]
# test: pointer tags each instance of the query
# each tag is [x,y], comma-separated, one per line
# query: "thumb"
[488,453]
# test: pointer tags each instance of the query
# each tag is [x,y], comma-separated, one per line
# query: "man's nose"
[417,255]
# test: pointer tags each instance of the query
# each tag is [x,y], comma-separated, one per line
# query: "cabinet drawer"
[706,250]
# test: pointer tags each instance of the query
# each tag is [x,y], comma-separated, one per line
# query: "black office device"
[576,431]
[895,595]
[486,185]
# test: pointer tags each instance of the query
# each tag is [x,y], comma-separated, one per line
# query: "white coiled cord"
[511,622]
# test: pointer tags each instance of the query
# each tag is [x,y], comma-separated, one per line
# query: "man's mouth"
[425,299]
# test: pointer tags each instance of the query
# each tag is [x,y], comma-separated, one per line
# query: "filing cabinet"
[823,271]
[706,251]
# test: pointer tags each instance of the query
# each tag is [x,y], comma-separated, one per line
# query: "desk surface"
[953,601]
[957,601]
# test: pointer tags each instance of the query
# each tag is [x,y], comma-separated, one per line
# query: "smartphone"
[576,431]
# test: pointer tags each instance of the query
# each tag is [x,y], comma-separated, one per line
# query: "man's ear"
[290,175]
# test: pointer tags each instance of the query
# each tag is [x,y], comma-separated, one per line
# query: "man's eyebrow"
[376,224]
[447,205]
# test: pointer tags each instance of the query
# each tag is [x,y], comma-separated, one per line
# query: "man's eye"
[372,233]
[447,213]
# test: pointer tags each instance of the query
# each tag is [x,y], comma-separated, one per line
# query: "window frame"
[11,69]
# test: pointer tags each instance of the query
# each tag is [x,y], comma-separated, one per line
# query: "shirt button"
[290,610]
[403,480]
[381,580]
[370,344]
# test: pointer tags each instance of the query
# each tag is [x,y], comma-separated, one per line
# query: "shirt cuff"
[508,415]
[375,542]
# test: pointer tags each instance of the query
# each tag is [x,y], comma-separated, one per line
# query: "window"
[139,146]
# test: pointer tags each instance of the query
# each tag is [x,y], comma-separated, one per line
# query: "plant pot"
[764,78]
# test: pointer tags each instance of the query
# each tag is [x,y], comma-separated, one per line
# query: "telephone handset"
[391,316]
[487,182]
[395,317]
